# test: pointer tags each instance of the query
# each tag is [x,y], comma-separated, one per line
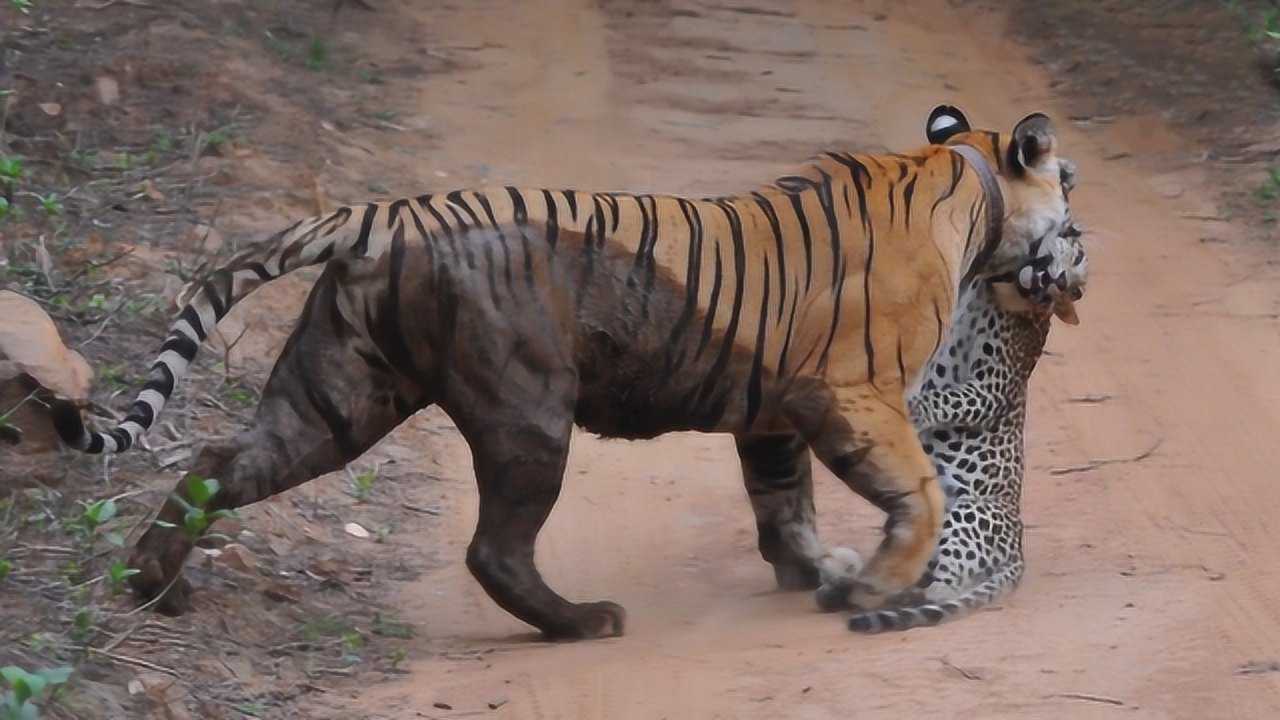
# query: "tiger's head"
[1034,181]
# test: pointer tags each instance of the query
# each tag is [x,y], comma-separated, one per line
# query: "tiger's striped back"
[836,236]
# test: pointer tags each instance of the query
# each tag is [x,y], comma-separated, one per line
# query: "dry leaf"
[30,341]
[149,189]
[355,530]
[51,109]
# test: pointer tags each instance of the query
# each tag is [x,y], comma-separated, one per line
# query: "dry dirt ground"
[1151,498]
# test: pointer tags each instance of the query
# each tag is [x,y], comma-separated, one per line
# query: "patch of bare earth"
[139,143]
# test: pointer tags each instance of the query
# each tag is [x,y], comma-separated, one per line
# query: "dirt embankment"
[1150,499]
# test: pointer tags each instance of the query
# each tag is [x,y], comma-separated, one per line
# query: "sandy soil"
[1151,498]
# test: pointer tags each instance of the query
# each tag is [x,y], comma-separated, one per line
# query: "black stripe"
[335,221]
[798,208]
[123,439]
[417,224]
[866,298]
[611,199]
[553,227]
[902,368]
[502,238]
[908,191]
[141,413]
[489,272]
[518,211]
[193,319]
[571,199]
[181,344]
[772,216]
[214,298]
[589,253]
[164,383]
[260,270]
[711,306]
[937,316]
[96,443]
[646,224]
[393,211]
[835,319]
[361,245]
[754,383]
[717,371]
[425,202]
[829,209]
[691,285]
[456,198]
[786,342]
[957,171]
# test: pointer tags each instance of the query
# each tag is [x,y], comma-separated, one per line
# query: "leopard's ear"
[1034,141]
[944,122]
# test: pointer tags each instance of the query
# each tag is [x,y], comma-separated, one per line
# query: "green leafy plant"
[362,484]
[23,6]
[4,208]
[396,657]
[95,514]
[82,624]
[317,54]
[50,204]
[390,627]
[6,567]
[11,171]
[27,690]
[1269,191]
[116,574]
[200,491]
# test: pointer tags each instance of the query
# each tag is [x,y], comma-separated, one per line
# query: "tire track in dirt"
[1149,582]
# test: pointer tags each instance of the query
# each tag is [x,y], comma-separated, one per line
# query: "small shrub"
[27,690]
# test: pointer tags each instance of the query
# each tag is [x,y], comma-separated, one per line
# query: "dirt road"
[1152,498]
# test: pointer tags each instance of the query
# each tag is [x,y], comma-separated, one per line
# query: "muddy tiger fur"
[792,317]
[970,411]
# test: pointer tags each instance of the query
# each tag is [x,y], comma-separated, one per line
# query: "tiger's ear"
[1033,141]
[944,122]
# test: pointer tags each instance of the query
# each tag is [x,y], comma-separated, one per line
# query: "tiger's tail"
[308,242]
[928,614]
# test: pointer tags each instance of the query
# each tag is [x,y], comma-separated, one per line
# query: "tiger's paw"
[151,582]
[590,620]
[839,568]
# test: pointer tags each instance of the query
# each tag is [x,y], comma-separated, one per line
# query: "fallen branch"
[1088,698]
[1095,464]
[135,662]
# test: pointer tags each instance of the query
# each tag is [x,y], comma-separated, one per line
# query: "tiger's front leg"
[778,475]
[873,448]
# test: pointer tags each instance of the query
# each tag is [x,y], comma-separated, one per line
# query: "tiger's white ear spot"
[942,123]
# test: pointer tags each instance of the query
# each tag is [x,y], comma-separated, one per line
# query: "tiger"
[792,317]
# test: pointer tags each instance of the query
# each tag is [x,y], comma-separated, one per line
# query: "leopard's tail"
[347,232]
[927,614]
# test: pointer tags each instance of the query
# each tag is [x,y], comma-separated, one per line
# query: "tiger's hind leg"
[778,475]
[330,397]
[518,426]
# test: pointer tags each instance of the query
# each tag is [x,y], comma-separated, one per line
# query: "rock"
[238,557]
[281,593]
[356,530]
[30,342]
[107,90]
